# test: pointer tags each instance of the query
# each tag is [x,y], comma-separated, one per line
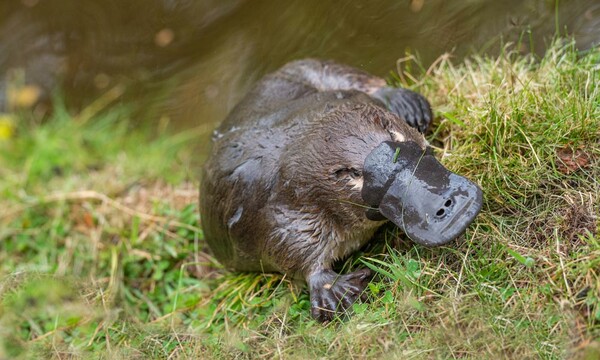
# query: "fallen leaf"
[416,5]
[88,220]
[572,160]
[24,97]
[164,37]
[7,126]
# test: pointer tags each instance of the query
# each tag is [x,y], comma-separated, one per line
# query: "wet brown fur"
[281,191]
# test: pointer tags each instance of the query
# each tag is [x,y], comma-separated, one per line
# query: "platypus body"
[311,163]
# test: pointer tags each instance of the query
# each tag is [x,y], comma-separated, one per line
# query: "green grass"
[102,255]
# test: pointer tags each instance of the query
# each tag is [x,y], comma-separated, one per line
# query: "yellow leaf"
[24,97]
[7,126]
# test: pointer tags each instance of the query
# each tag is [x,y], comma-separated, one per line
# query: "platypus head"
[409,187]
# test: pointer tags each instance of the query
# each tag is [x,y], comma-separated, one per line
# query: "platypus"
[312,161]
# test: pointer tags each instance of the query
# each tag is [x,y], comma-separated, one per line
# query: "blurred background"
[186,63]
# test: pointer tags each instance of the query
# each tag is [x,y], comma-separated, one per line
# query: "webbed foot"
[332,294]
[409,105]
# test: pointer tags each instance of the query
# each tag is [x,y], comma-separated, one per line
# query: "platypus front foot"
[409,105]
[332,294]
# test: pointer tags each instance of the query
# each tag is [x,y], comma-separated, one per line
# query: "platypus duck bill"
[409,187]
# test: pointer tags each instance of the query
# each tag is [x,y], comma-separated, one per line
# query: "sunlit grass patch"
[102,252]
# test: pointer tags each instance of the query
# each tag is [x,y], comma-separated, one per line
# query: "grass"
[102,255]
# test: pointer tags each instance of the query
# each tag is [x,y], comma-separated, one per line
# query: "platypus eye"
[352,173]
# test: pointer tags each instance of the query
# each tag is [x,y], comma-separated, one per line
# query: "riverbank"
[102,255]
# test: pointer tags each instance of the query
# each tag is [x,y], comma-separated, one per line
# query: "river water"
[188,62]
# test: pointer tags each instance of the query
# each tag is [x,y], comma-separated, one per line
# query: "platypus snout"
[413,190]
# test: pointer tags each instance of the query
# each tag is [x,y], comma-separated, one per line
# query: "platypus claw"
[409,105]
[332,295]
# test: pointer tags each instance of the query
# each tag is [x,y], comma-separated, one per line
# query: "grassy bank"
[102,255]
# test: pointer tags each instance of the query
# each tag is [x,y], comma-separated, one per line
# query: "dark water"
[190,61]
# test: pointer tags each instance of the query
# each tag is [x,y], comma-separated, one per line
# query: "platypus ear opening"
[348,172]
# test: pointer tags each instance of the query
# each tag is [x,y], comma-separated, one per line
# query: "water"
[189,61]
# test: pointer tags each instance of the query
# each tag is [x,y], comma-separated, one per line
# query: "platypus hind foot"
[332,294]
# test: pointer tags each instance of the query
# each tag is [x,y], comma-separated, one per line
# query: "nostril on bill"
[444,210]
